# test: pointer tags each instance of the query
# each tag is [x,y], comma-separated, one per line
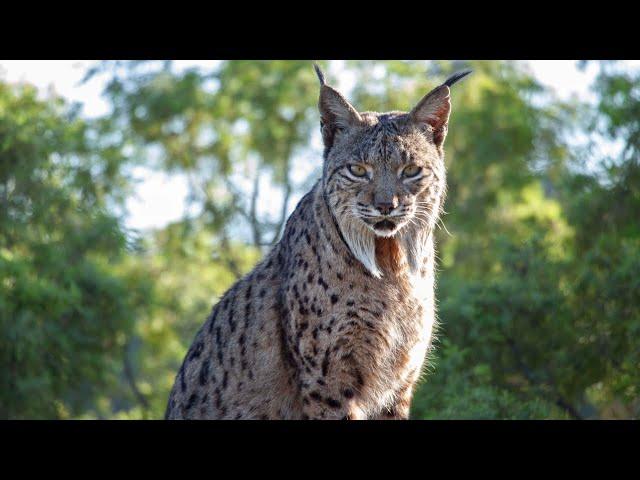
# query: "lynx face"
[384,174]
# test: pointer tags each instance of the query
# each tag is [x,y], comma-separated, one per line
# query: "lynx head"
[384,174]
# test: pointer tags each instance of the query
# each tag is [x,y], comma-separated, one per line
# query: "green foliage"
[538,295]
[65,307]
[189,274]
[460,388]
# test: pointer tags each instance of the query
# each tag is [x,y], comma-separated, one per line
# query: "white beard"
[415,245]
[362,242]
[414,242]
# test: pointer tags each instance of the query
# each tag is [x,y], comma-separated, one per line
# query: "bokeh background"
[130,201]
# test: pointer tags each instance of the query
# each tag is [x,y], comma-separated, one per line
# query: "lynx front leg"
[399,411]
[400,408]
[342,373]
[335,390]
[321,404]
[331,399]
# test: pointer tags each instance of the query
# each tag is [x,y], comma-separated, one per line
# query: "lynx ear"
[435,107]
[434,110]
[336,113]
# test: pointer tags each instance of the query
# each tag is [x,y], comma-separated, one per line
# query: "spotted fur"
[336,321]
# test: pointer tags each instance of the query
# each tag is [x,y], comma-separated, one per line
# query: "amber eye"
[411,171]
[357,170]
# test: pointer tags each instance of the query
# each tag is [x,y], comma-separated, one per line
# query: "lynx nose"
[385,208]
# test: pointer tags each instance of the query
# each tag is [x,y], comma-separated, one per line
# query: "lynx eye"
[357,170]
[411,171]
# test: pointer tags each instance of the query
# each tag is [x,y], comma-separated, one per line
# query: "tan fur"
[336,321]
[389,255]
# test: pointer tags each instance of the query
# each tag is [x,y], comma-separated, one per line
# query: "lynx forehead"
[336,321]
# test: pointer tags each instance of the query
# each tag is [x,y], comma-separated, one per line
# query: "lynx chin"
[335,322]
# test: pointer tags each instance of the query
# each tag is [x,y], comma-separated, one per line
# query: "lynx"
[335,322]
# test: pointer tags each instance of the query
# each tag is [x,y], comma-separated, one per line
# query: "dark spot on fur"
[315,396]
[347,393]
[196,350]
[183,385]
[192,399]
[372,312]
[204,371]
[325,362]
[231,320]
[212,320]
[358,376]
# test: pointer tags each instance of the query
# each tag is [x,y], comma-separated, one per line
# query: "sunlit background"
[132,194]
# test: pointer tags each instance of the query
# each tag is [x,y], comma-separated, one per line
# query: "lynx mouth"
[384,226]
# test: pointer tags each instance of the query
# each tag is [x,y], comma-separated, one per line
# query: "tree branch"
[557,398]
[227,256]
[130,377]
[285,204]
[252,216]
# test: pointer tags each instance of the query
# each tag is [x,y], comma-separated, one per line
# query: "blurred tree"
[602,205]
[225,129]
[66,308]
[538,290]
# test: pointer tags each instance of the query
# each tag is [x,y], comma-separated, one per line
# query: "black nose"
[385,207]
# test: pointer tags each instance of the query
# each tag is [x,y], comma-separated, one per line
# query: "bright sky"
[160,198]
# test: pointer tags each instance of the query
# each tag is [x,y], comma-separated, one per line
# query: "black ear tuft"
[456,77]
[319,73]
